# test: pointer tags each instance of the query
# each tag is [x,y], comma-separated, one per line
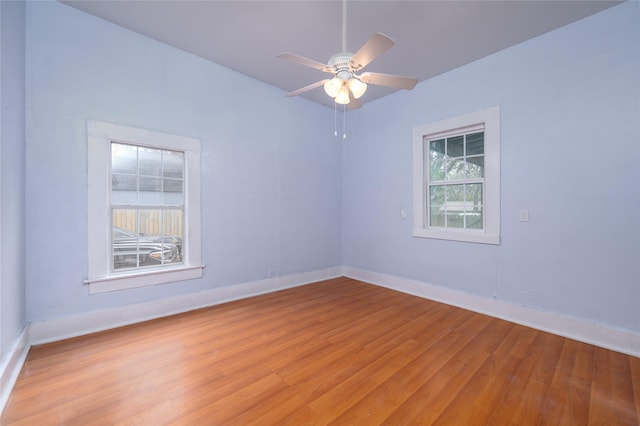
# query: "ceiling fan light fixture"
[357,88]
[345,87]
[332,87]
[343,95]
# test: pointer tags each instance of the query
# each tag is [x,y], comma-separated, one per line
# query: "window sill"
[466,236]
[143,279]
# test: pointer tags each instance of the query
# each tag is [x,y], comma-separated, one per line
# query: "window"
[144,207]
[147,206]
[456,178]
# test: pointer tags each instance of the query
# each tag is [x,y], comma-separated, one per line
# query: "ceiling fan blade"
[301,60]
[388,80]
[374,47]
[307,88]
[353,102]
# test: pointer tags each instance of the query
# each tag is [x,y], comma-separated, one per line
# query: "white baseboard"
[10,369]
[588,332]
[91,322]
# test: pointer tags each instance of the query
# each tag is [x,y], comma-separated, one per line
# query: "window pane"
[473,205]
[455,146]
[124,174]
[436,216]
[146,237]
[436,169]
[455,169]
[474,219]
[150,184]
[436,195]
[475,143]
[160,236]
[150,190]
[149,161]
[436,206]
[173,172]
[454,197]
[146,176]
[173,228]
[436,160]
[124,182]
[437,146]
[455,219]
[124,189]
[124,158]
[474,194]
[475,167]
[124,239]
[454,205]
[172,192]
[150,222]
[173,166]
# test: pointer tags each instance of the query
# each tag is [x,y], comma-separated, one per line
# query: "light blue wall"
[12,182]
[570,103]
[280,193]
[271,170]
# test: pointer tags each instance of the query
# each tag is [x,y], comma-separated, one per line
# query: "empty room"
[319,212]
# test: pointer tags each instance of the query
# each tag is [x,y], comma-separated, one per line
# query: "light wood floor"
[339,352]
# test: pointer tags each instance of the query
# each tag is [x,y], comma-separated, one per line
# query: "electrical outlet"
[524,215]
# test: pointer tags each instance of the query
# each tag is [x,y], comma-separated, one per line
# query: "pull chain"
[344,122]
[335,119]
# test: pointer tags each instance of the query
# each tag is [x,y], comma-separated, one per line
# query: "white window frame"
[489,119]
[101,279]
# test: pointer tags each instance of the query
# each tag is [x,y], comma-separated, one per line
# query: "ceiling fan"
[347,86]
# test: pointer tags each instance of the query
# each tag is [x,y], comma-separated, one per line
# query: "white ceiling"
[432,37]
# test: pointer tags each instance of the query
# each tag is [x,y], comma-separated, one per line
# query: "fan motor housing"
[341,63]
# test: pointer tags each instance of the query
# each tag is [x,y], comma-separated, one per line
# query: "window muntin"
[456,178]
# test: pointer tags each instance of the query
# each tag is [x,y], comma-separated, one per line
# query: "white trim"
[91,322]
[578,329]
[99,138]
[489,119]
[466,235]
[143,279]
[10,369]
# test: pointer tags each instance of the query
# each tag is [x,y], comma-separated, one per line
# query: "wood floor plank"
[611,390]
[556,408]
[334,352]
[375,369]
[634,365]
[224,409]
[447,384]
[546,357]
[524,398]
[442,364]
[572,382]
[477,401]
[420,366]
